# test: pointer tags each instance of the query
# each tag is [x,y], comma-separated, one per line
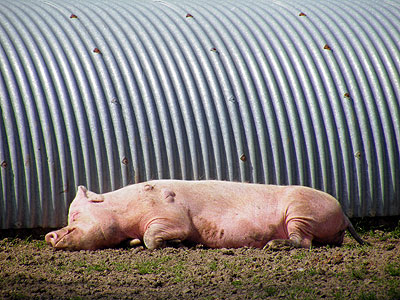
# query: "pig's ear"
[81,191]
[90,196]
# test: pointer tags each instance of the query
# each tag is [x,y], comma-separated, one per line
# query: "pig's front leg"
[158,234]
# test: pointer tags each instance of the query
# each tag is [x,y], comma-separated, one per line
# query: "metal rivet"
[125,161]
[4,164]
[114,101]
[189,16]
[326,47]
[97,50]
[214,50]
[302,15]
[357,154]
[72,16]
[243,157]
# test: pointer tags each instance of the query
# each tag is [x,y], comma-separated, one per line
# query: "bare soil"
[32,270]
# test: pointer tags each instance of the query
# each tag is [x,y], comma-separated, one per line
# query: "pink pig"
[217,214]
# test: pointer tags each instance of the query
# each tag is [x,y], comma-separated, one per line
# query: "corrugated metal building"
[109,93]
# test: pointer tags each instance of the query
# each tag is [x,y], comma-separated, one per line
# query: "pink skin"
[216,214]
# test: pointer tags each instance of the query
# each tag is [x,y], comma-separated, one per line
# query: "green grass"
[17,295]
[312,272]
[40,244]
[90,268]
[147,267]
[97,267]
[359,273]
[237,283]
[300,255]
[178,271]
[151,266]
[394,292]
[300,292]
[393,269]
[338,295]
[213,266]
[367,296]
[396,232]
[270,291]
[122,267]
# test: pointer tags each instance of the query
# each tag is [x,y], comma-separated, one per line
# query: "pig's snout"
[51,238]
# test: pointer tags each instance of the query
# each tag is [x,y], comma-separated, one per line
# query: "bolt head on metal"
[232,99]
[214,50]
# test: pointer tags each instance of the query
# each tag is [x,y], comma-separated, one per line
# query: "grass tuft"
[393,269]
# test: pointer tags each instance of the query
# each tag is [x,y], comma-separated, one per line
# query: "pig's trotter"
[294,241]
[280,244]
[135,242]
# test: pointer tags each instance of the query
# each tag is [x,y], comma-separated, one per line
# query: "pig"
[217,214]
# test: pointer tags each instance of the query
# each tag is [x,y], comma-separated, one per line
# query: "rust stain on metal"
[125,161]
[97,50]
[189,16]
[346,95]
[137,178]
[243,157]
[72,16]
[214,50]
[65,190]
[326,47]
[302,14]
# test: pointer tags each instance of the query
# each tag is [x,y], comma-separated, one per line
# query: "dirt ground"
[32,270]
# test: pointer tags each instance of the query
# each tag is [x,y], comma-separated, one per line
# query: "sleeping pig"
[217,214]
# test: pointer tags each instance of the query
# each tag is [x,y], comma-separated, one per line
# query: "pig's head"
[91,224]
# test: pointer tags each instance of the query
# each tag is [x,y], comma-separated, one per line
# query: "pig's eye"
[74,216]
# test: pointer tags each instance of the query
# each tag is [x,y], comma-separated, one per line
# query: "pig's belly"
[232,231]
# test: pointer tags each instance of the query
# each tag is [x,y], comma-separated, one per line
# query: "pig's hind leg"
[158,235]
[299,237]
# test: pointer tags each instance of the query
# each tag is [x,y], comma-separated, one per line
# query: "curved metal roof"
[108,93]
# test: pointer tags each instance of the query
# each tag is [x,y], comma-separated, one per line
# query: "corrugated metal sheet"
[108,93]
